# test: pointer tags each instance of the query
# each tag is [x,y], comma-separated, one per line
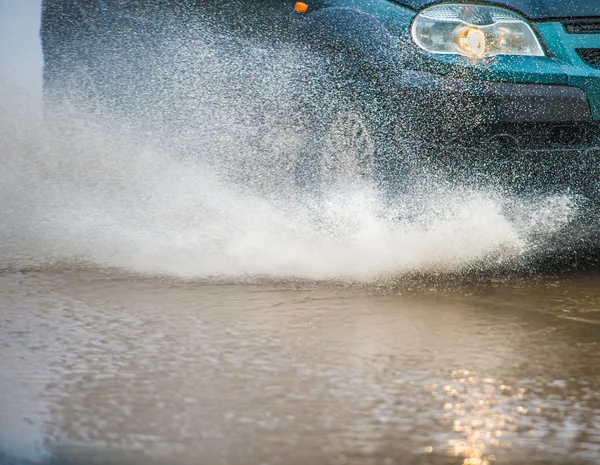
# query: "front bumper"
[500,101]
[526,137]
[442,109]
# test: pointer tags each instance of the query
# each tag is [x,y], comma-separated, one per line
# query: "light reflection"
[482,412]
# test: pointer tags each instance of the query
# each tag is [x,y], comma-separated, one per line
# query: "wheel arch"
[347,29]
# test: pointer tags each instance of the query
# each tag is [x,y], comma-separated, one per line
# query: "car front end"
[510,86]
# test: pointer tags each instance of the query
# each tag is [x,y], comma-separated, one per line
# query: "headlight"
[474,31]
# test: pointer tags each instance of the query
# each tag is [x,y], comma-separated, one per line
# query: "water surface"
[109,368]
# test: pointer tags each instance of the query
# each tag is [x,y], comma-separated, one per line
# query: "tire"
[351,142]
[348,152]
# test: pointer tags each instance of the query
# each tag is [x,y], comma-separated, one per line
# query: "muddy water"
[113,369]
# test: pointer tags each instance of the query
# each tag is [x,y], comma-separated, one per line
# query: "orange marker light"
[301,7]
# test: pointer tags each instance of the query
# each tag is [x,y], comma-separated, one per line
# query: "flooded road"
[116,369]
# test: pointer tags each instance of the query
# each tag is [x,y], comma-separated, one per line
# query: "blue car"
[509,89]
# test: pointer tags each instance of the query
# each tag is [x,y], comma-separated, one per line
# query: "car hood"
[533,9]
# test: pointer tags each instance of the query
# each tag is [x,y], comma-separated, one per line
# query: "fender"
[345,29]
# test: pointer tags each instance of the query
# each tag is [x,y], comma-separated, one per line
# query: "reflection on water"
[484,410]
[115,369]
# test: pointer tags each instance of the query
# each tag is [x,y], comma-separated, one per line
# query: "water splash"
[101,197]
[212,191]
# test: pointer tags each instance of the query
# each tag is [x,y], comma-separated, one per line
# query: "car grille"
[590,55]
[591,26]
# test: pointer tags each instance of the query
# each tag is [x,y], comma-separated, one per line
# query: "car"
[502,93]
[512,86]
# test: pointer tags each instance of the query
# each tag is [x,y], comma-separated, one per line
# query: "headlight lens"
[474,31]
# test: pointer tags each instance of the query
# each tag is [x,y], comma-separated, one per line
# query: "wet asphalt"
[101,367]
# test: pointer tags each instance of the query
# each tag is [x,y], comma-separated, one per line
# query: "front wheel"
[353,148]
[347,152]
